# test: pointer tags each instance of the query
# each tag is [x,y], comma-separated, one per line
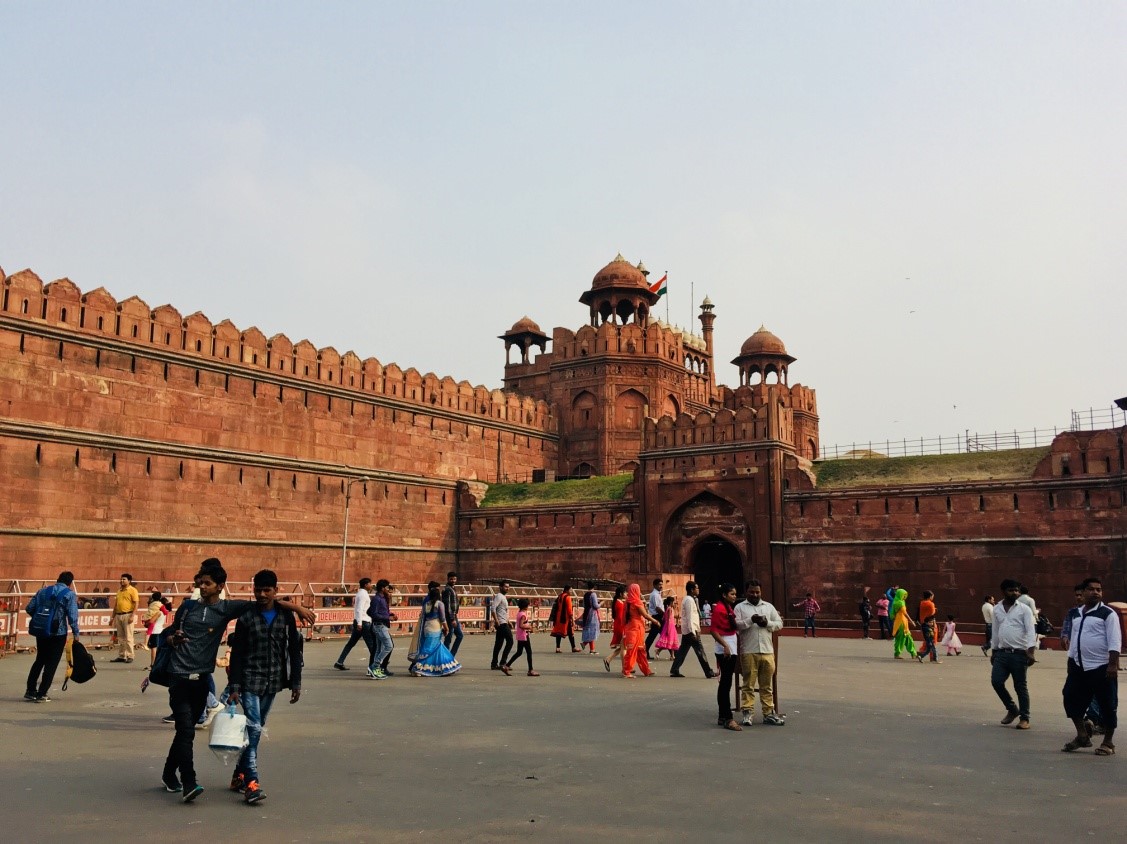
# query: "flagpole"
[667,298]
[692,298]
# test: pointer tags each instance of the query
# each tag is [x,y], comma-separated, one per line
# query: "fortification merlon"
[1085,453]
[770,421]
[653,340]
[60,304]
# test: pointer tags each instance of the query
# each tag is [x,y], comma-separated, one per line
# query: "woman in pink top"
[882,617]
[524,645]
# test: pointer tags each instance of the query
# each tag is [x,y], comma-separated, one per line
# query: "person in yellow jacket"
[124,606]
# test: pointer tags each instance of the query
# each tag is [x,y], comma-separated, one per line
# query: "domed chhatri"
[525,324]
[763,354]
[763,342]
[619,273]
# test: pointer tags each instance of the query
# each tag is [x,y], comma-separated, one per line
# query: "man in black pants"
[690,634]
[499,613]
[656,607]
[59,605]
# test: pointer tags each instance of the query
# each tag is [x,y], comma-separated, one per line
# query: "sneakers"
[29,695]
[254,792]
[387,673]
[192,793]
[42,699]
[209,715]
[168,719]
[378,674]
[171,783]
[747,721]
[1009,719]
[774,720]
[340,667]
[238,783]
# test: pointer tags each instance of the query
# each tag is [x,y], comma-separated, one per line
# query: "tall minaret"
[707,317]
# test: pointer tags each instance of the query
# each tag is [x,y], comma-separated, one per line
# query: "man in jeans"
[450,602]
[1013,645]
[503,637]
[690,634]
[49,647]
[195,635]
[381,616]
[361,624]
[265,658]
[988,619]
[810,610]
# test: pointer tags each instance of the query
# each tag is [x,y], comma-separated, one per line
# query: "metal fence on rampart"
[1092,419]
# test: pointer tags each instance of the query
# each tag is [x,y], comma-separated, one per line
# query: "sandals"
[606,664]
[1105,750]
[732,725]
[533,673]
[1078,743]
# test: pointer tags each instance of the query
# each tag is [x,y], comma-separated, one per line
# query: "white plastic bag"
[228,734]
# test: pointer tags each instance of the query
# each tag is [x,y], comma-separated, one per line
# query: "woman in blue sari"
[429,656]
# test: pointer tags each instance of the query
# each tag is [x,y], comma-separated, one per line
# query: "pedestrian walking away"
[1013,644]
[361,624]
[563,619]
[591,618]
[690,634]
[52,609]
[379,611]
[266,657]
[1093,669]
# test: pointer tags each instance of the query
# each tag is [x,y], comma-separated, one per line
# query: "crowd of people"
[265,649]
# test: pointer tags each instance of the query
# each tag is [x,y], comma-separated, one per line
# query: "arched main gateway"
[714,561]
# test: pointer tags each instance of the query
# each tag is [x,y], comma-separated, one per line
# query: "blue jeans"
[384,645]
[455,635]
[256,708]
[928,629]
[1011,664]
[808,624]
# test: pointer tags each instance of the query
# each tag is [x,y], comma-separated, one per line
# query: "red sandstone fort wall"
[131,438]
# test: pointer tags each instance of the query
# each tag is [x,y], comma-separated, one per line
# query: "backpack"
[1043,627]
[80,665]
[43,618]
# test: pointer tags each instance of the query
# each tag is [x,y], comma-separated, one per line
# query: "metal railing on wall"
[1092,419]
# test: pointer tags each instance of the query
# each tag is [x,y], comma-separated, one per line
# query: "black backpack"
[42,621]
[80,665]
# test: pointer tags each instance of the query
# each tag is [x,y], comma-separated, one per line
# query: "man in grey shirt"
[195,635]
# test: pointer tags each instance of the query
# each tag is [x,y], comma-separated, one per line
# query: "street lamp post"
[344,540]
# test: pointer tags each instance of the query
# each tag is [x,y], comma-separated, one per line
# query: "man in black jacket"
[266,657]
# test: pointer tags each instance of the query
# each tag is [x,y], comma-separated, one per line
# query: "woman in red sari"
[563,619]
[618,616]
[634,634]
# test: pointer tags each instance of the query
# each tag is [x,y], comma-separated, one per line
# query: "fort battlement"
[62,305]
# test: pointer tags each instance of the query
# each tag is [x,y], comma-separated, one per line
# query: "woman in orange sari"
[634,634]
[563,619]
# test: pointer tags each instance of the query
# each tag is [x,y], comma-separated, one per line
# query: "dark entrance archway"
[716,561]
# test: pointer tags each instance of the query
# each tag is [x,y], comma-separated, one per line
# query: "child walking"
[670,637]
[950,638]
[524,643]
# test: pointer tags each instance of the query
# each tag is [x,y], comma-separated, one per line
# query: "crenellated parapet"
[62,305]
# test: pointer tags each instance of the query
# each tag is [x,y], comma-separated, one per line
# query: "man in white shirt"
[503,637]
[361,624]
[1013,644]
[1093,668]
[656,608]
[690,634]
[988,619]
[756,620]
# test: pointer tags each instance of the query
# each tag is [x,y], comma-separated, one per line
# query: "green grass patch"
[606,488]
[932,468]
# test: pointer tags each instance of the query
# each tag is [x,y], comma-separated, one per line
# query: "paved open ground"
[874,749]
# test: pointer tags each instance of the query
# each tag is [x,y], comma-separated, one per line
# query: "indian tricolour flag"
[659,287]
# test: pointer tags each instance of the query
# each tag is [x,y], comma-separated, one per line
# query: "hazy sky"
[926,201]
